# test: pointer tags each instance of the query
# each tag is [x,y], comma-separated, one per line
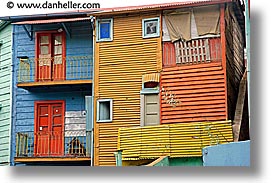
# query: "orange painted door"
[49,137]
[44,58]
[58,59]
[50,57]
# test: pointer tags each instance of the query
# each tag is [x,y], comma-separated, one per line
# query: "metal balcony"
[69,145]
[54,71]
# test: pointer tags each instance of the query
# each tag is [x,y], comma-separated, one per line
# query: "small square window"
[104,110]
[104,29]
[150,27]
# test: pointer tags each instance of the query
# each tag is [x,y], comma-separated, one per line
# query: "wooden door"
[49,137]
[50,56]
[151,110]
[44,58]
[58,58]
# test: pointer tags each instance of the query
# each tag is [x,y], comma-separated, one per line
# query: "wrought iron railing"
[53,69]
[53,144]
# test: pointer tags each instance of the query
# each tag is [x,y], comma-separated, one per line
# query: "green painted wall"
[190,161]
[5,92]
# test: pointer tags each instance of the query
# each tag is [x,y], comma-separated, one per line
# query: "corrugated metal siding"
[169,54]
[121,64]
[174,140]
[5,93]
[234,59]
[52,21]
[193,93]
[160,6]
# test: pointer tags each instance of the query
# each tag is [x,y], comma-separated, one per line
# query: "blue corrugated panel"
[231,154]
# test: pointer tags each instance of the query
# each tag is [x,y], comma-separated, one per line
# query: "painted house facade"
[53,64]
[5,90]
[167,80]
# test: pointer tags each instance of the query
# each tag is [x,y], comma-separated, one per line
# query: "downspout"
[93,87]
[247,36]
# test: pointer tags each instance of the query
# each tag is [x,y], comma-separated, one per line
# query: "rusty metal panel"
[193,93]
[169,54]
[173,140]
[120,65]
[162,6]
[48,21]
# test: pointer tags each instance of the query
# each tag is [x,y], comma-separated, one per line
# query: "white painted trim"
[111,110]
[157,34]
[98,31]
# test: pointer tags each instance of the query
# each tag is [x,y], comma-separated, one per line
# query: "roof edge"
[154,7]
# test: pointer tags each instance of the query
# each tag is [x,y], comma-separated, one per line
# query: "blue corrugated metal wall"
[230,154]
[79,44]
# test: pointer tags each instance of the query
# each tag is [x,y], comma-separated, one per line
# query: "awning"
[49,21]
[152,77]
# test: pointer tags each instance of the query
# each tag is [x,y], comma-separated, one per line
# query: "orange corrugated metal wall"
[193,92]
[119,67]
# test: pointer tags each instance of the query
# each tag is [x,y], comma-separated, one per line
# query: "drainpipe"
[118,156]
[247,36]
[93,87]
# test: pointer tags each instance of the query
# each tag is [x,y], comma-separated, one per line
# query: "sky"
[10,7]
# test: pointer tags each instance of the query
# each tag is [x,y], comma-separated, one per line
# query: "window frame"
[157,34]
[111,110]
[98,21]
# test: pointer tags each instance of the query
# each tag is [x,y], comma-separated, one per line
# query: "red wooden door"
[49,137]
[58,59]
[50,57]
[44,58]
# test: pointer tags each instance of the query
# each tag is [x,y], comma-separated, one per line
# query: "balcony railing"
[70,68]
[53,144]
[174,140]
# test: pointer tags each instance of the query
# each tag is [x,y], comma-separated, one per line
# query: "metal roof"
[162,6]
[52,21]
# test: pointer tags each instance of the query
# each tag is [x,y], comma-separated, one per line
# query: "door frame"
[36,126]
[37,35]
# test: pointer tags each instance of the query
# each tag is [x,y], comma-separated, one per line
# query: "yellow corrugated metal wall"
[173,140]
[119,66]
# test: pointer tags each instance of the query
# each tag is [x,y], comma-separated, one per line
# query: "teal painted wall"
[190,161]
[5,93]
